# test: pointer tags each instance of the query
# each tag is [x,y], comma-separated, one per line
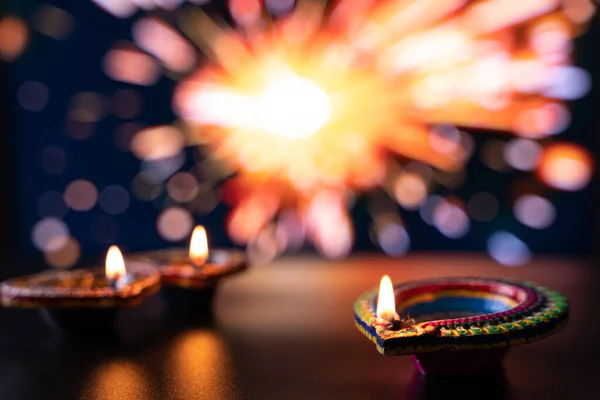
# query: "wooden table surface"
[285,331]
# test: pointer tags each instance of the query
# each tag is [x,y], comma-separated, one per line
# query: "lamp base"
[93,324]
[189,303]
[456,363]
[493,385]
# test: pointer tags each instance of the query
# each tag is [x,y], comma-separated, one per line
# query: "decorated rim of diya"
[502,313]
[176,269]
[83,288]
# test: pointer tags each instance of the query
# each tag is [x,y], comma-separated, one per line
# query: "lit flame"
[386,302]
[115,264]
[199,246]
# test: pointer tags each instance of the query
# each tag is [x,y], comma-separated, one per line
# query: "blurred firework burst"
[330,100]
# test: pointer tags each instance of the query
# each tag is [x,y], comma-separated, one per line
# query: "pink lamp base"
[452,363]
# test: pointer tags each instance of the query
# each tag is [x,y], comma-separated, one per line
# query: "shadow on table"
[493,385]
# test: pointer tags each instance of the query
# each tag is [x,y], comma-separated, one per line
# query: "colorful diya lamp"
[84,300]
[190,276]
[459,326]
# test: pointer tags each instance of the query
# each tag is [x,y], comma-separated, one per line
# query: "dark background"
[74,65]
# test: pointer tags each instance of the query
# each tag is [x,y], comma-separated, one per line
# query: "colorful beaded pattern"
[530,313]
[175,268]
[82,288]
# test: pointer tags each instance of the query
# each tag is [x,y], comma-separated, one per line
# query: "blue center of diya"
[454,307]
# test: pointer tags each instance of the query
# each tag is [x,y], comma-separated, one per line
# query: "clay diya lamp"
[458,326]
[84,301]
[190,277]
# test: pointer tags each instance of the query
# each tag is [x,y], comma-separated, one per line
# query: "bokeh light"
[163,168]
[279,7]
[157,143]
[14,36]
[174,224]
[544,121]
[65,256]
[87,107]
[329,225]
[182,187]
[33,96]
[114,199]
[522,154]
[81,195]
[50,234]
[483,206]
[421,169]
[410,190]
[163,42]
[206,200]
[165,4]
[291,230]
[569,83]
[127,64]
[147,186]
[450,219]
[118,8]
[263,248]
[426,211]
[393,239]
[566,166]
[245,12]
[149,5]
[579,11]
[507,249]
[53,22]
[551,41]
[534,211]
[445,139]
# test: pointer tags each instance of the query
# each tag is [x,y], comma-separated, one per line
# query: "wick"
[119,281]
[198,263]
[388,320]
[393,322]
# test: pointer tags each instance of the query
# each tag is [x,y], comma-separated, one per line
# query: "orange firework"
[322,103]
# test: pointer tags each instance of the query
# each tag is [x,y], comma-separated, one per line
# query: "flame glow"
[199,246]
[115,264]
[386,301]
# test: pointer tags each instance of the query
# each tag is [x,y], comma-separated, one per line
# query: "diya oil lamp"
[459,326]
[190,276]
[84,300]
